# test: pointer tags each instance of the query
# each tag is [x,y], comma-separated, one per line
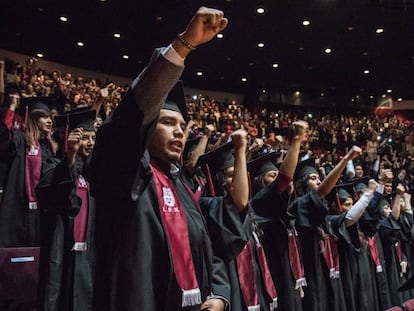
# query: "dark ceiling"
[347,27]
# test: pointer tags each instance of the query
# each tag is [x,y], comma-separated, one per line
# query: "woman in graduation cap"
[31,154]
[270,204]
[309,211]
[67,221]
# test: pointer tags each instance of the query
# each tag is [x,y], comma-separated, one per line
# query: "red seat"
[409,305]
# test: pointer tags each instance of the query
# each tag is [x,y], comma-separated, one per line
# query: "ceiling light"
[328,50]
[306,23]
[63,19]
[40,55]
[199,73]
[399,99]
[220,36]
[263,91]
[389,91]
[244,79]
[125,56]
[350,28]
[80,43]
[365,53]
[260,10]
[322,94]
[366,71]
[297,93]
[383,96]
[275,65]
[158,18]
[260,45]
[117,35]
[301,48]
[372,96]
[379,30]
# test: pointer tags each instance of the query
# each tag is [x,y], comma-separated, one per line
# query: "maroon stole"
[247,280]
[373,249]
[295,259]
[80,225]
[175,224]
[329,249]
[33,170]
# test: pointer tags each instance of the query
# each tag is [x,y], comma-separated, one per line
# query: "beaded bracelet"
[186,43]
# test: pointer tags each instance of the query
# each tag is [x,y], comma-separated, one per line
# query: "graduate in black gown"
[309,211]
[270,203]
[153,251]
[31,153]
[67,222]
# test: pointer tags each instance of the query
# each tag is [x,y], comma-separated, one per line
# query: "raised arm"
[239,188]
[329,182]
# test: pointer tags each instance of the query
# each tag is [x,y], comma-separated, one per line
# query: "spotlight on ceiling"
[125,56]
[379,30]
[260,10]
[80,43]
[275,65]
[244,79]
[220,36]
[199,73]
[366,71]
[40,55]
[306,23]
[328,50]
[260,45]
[63,19]
[117,35]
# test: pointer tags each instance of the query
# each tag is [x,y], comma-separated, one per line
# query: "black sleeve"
[269,202]
[227,229]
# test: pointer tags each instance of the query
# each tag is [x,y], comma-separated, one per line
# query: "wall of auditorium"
[49,67]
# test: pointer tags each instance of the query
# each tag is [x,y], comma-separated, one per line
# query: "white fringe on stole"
[273,304]
[191,297]
[80,247]
[333,274]
[378,269]
[300,282]
[253,308]
[32,205]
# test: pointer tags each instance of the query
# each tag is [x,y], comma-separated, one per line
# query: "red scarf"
[80,225]
[398,251]
[267,277]
[295,259]
[373,249]
[329,250]
[33,170]
[175,224]
[247,278]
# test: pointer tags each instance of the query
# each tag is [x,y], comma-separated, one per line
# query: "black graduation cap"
[190,145]
[176,100]
[341,192]
[70,121]
[84,119]
[28,104]
[304,168]
[216,161]
[263,163]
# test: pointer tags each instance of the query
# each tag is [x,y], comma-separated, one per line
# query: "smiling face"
[44,123]
[87,143]
[168,140]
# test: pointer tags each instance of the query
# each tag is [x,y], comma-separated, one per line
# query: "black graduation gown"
[225,225]
[66,276]
[389,232]
[133,260]
[19,226]
[310,212]
[270,204]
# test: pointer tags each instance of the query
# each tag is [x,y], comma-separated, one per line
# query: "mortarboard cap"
[68,122]
[302,172]
[264,163]
[83,119]
[176,100]
[38,103]
[216,161]
[305,168]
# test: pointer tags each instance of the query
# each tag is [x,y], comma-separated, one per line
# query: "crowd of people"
[138,197]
